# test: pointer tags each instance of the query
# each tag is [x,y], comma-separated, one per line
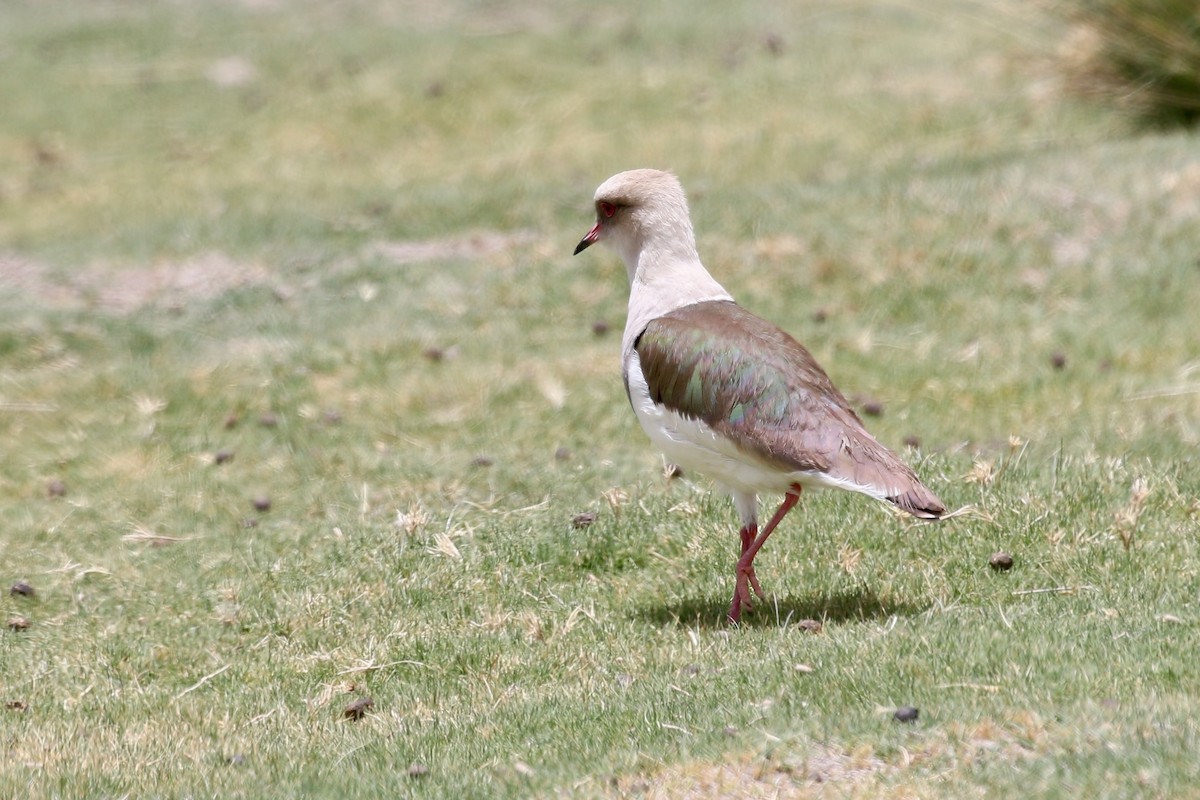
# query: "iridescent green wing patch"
[739,374]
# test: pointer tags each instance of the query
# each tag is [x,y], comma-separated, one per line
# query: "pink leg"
[750,548]
[748,533]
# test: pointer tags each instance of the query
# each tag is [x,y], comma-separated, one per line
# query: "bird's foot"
[742,601]
[755,585]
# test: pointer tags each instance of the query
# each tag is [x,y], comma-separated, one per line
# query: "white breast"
[694,445]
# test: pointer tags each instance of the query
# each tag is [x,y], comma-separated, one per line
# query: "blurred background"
[1002,185]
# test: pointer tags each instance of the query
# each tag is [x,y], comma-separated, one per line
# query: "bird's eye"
[607,209]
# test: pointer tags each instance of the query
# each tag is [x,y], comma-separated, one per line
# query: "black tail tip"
[926,508]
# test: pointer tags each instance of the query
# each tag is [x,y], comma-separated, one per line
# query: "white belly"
[694,445]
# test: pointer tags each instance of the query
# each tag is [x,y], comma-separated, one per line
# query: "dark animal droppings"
[1001,561]
[357,709]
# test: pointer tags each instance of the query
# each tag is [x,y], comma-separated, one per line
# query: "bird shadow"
[856,605]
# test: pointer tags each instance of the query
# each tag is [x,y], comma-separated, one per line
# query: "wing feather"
[753,383]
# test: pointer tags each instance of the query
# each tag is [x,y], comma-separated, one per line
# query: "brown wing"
[752,382]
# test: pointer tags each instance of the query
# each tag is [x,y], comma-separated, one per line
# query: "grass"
[1143,55]
[181,257]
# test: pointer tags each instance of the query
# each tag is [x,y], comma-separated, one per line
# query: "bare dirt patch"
[825,770]
[120,289]
[123,289]
[821,768]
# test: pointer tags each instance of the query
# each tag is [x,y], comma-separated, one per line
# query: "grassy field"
[301,390]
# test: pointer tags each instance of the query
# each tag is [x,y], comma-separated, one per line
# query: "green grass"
[174,253]
[1141,55]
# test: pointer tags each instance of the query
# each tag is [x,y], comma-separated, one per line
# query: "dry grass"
[348,274]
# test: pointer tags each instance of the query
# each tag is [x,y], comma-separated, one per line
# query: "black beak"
[587,241]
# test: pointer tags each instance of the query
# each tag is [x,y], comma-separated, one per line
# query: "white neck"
[665,275]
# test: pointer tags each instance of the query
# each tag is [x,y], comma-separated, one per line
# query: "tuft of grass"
[1143,55]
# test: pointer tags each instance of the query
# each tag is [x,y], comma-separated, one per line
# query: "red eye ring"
[606,208]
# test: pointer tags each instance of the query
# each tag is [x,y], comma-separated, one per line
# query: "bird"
[725,393]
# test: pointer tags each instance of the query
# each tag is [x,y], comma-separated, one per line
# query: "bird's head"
[639,209]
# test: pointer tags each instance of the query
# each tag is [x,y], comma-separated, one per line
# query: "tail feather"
[920,502]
